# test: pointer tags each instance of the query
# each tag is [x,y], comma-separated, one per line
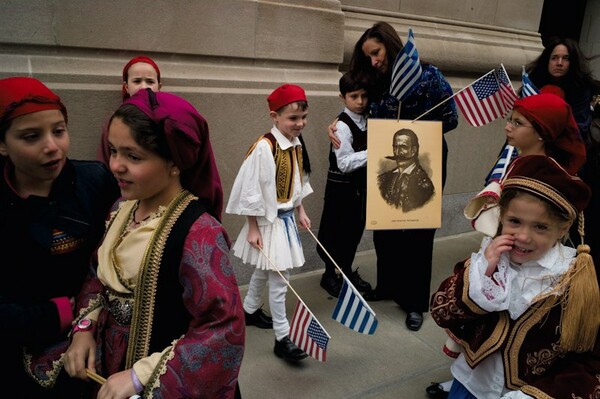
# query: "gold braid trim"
[160,369]
[147,281]
[543,190]
[284,172]
[522,326]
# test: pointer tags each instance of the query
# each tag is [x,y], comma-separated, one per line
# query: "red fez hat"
[553,119]
[544,177]
[23,95]
[284,95]
[186,133]
[135,60]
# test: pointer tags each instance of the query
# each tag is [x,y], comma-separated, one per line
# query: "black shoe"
[258,319]
[414,321]
[331,284]
[288,350]
[360,284]
[435,391]
[374,296]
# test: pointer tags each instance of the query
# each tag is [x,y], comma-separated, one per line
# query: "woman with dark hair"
[563,64]
[372,62]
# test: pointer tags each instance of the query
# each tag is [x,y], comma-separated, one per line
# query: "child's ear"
[3,150]
[342,97]
[273,115]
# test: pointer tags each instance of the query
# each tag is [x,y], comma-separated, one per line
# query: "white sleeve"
[253,192]
[491,294]
[516,395]
[348,160]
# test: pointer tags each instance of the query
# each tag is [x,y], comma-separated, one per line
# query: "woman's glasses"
[516,123]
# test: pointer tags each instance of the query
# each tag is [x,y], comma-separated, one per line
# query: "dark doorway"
[562,18]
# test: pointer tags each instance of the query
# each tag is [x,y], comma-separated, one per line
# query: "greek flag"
[353,311]
[528,88]
[499,170]
[406,71]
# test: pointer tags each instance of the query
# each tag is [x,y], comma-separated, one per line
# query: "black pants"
[406,281]
[342,224]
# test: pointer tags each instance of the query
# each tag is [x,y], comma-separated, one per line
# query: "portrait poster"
[404,190]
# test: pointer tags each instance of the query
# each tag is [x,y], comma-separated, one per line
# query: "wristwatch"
[83,325]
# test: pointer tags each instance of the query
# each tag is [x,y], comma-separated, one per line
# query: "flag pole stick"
[340,270]
[294,291]
[324,250]
[452,96]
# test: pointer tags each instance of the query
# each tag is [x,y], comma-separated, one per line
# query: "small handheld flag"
[506,90]
[528,88]
[307,333]
[481,101]
[506,156]
[353,311]
[406,70]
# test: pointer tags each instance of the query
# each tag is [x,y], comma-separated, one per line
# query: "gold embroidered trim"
[518,334]
[145,292]
[160,369]
[546,191]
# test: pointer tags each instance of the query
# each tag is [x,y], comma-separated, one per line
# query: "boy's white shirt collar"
[357,118]
[283,141]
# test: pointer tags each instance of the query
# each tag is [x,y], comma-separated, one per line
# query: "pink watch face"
[84,324]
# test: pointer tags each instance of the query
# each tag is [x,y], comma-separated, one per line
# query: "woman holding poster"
[372,62]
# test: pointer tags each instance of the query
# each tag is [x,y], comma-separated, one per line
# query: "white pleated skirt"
[281,244]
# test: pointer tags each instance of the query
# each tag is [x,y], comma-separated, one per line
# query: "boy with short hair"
[270,184]
[344,211]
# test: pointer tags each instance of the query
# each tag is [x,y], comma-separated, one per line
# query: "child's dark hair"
[350,83]
[146,133]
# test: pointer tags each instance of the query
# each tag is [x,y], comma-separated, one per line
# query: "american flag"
[307,333]
[499,170]
[406,71]
[353,311]
[506,89]
[481,101]
[528,88]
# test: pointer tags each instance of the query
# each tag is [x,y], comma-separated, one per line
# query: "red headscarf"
[23,95]
[186,132]
[553,119]
[135,60]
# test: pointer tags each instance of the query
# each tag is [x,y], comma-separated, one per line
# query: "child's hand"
[254,238]
[303,219]
[497,247]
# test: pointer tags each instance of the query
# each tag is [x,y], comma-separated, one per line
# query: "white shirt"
[348,160]
[254,192]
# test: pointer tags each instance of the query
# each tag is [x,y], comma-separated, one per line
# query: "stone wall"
[226,56]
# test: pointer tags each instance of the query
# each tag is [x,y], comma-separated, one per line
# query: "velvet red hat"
[186,133]
[135,60]
[544,177]
[553,119]
[23,95]
[284,95]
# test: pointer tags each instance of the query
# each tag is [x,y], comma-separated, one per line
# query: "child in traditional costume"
[269,188]
[526,308]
